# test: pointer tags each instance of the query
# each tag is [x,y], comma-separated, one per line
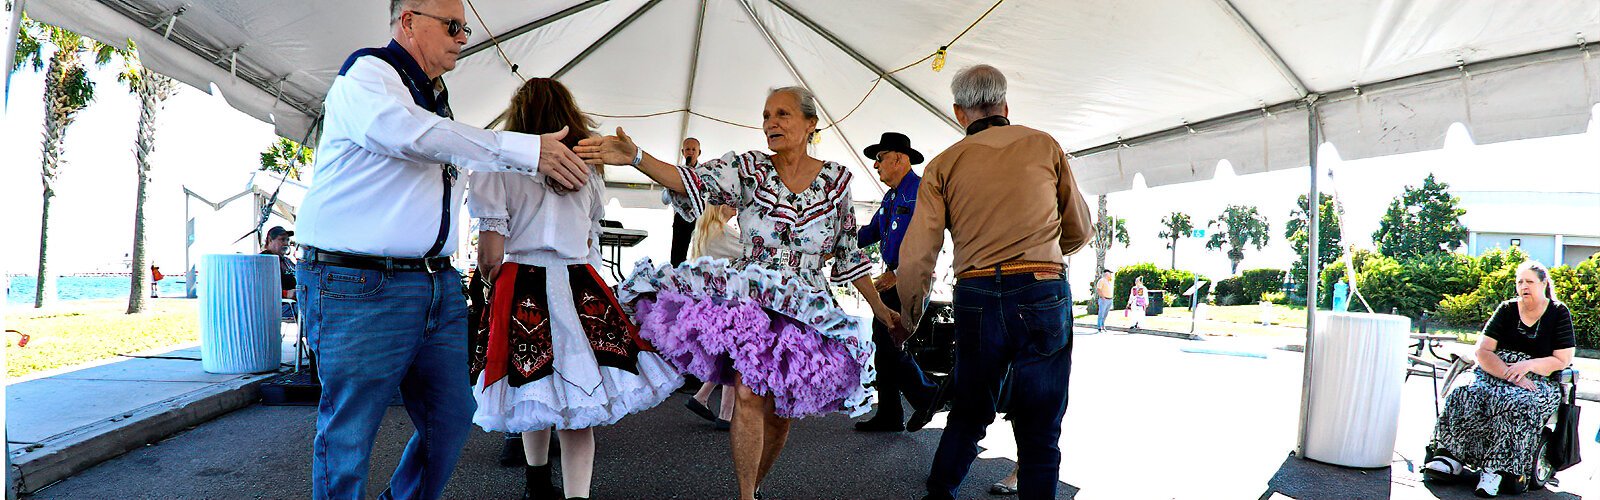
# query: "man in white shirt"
[383,307]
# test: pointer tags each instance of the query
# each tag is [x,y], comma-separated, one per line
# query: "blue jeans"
[1104,305]
[373,332]
[1017,323]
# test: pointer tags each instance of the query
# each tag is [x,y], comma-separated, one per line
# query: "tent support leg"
[1314,208]
[11,44]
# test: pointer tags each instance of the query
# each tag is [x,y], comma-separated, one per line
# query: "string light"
[938,58]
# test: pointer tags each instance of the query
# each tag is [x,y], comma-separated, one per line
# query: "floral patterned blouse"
[792,233]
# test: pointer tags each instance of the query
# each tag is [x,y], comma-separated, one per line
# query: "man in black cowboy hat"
[897,372]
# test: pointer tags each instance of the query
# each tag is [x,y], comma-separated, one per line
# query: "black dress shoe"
[723,425]
[880,424]
[695,406]
[924,414]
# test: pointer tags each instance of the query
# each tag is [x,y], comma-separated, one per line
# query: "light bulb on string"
[816,137]
[938,58]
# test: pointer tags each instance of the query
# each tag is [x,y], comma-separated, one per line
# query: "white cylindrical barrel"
[1357,370]
[240,312]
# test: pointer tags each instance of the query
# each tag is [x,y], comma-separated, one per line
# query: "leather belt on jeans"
[376,263]
[1015,267]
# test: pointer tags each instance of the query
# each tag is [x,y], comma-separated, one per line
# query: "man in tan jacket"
[1007,196]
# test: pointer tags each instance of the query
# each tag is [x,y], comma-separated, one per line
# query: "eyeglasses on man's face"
[452,27]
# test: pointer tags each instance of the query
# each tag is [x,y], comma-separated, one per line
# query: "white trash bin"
[1358,366]
[240,313]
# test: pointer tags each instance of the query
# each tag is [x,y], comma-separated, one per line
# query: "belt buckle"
[427,265]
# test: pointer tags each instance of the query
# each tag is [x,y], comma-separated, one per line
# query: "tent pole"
[1314,208]
[524,29]
[637,13]
[851,51]
[795,70]
[11,45]
[694,70]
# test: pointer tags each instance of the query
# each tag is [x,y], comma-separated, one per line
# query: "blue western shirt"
[889,224]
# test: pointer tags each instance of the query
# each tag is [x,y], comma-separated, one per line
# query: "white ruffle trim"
[553,402]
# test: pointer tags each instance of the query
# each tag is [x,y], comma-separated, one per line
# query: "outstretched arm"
[620,150]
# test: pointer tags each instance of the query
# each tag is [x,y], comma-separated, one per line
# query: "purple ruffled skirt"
[804,372]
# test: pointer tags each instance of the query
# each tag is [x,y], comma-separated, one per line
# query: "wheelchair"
[1543,472]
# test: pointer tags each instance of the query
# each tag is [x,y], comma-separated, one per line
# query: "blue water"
[20,289]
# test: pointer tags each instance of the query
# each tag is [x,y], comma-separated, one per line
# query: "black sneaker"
[880,424]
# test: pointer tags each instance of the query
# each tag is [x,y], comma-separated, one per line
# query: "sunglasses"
[452,27]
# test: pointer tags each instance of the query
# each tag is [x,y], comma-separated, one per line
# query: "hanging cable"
[495,41]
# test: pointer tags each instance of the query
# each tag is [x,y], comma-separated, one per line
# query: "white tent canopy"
[1163,87]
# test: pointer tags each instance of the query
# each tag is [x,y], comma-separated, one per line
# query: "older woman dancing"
[764,321]
[1493,424]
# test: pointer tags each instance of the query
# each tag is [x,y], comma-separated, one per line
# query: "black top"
[285,271]
[1551,333]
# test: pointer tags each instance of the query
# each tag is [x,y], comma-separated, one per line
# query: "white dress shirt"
[376,187]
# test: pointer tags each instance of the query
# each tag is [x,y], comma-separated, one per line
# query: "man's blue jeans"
[1020,323]
[1104,305]
[373,332]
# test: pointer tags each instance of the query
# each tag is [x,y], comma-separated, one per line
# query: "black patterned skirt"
[1492,424]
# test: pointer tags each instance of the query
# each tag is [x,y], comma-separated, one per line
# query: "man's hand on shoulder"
[557,162]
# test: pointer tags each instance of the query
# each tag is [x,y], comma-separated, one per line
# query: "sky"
[213,149]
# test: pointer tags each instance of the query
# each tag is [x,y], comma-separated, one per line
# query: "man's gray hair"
[981,89]
[808,100]
[397,7]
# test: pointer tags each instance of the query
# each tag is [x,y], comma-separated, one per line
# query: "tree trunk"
[1102,240]
[152,89]
[1174,265]
[56,120]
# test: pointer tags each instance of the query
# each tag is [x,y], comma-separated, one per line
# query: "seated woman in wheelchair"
[1494,423]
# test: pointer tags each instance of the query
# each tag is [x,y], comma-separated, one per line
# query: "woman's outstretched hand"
[608,150]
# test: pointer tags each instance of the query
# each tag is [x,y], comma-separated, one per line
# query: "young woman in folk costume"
[556,350]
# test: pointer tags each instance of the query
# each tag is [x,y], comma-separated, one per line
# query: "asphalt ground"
[1149,417]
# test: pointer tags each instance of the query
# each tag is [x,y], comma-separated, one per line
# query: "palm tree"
[1239,226]
[152,89]
[1176,225]
[1107,229]
[286,157]
[67,90]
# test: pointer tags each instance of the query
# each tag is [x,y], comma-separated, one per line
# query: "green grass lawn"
[81,332]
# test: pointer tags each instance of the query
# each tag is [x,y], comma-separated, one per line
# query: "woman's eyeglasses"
[452,27]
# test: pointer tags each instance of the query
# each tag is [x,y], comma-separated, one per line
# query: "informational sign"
[1197,233]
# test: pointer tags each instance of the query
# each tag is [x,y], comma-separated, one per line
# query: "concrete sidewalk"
[62,422]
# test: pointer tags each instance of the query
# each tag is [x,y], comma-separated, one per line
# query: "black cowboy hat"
[893,141]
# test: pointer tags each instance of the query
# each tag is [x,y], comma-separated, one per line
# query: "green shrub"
[1336,272]
[1275,297]
[1258,281]
[1176,281]
[1579,288]
[1124,282]
[1465,310]
[1229,292]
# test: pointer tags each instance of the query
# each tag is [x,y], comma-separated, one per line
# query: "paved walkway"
[63,421]
[1147,420]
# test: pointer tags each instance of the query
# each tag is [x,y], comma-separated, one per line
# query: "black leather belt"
[376,263]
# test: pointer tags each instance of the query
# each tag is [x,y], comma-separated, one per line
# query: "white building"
[1553,228]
